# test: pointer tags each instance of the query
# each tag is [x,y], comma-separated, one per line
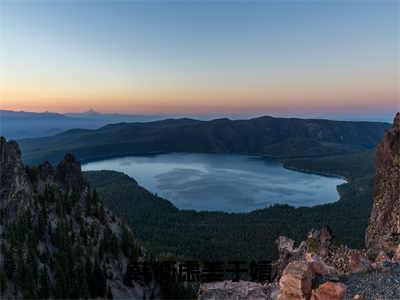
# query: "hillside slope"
[277,137]
[57,239]
[210,235]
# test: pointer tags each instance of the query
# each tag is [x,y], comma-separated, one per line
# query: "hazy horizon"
[387,117]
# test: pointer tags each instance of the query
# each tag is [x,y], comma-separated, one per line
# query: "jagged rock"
[287,254]
[319,241]
[36,222]
[14,186]
[358,263]
[383,232]
[326,236]
[319,266]
[69,174]
[285,244]
[46,171]
[242,290]
[296,281]
[329,291]
[45,176]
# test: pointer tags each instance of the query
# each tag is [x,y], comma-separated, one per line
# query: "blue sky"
[201,57]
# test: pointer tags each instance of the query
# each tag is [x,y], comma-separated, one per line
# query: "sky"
[201,57]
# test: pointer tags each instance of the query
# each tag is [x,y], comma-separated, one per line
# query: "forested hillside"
[218,235]
[276,137]
[57,238]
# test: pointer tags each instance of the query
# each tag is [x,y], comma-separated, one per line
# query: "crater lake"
[220,182]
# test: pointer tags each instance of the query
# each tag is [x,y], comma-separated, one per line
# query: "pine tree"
[88,203]
[9,262]
[44,291]
[126,240]
[84,285]
[25,279]
[3,282]
[109,293]
[98,281]
[101,214]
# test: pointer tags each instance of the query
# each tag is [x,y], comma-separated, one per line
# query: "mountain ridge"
[275,137]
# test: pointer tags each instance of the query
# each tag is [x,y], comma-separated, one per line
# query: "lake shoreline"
[261,157]
[321,173]
[226,182]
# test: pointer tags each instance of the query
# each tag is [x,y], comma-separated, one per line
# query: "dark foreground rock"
[383,232]
[57,240]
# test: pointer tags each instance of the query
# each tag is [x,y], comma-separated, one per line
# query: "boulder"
[296,281]
[329,291]
[319,266]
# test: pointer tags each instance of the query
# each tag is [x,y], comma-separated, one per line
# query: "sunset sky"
[228,57]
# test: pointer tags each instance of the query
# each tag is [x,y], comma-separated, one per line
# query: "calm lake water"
[231,183]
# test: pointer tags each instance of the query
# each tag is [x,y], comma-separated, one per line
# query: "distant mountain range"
[114,117]
[21,124]
[275,137]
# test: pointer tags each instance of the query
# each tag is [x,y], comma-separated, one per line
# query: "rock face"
[14,186]
[358,263]
[296,281]
[69,175]
[383,232]
[329,291]
[319,266]
[287,253]
[54,227]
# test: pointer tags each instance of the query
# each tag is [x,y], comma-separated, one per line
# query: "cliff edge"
[383,232]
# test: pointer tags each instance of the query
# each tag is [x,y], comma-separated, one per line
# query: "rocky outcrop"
[69,174]
[296,281]
[329,291]
[57,239]
[383,232]
[358,263]
[287,253]
[319,266]
[14,185]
